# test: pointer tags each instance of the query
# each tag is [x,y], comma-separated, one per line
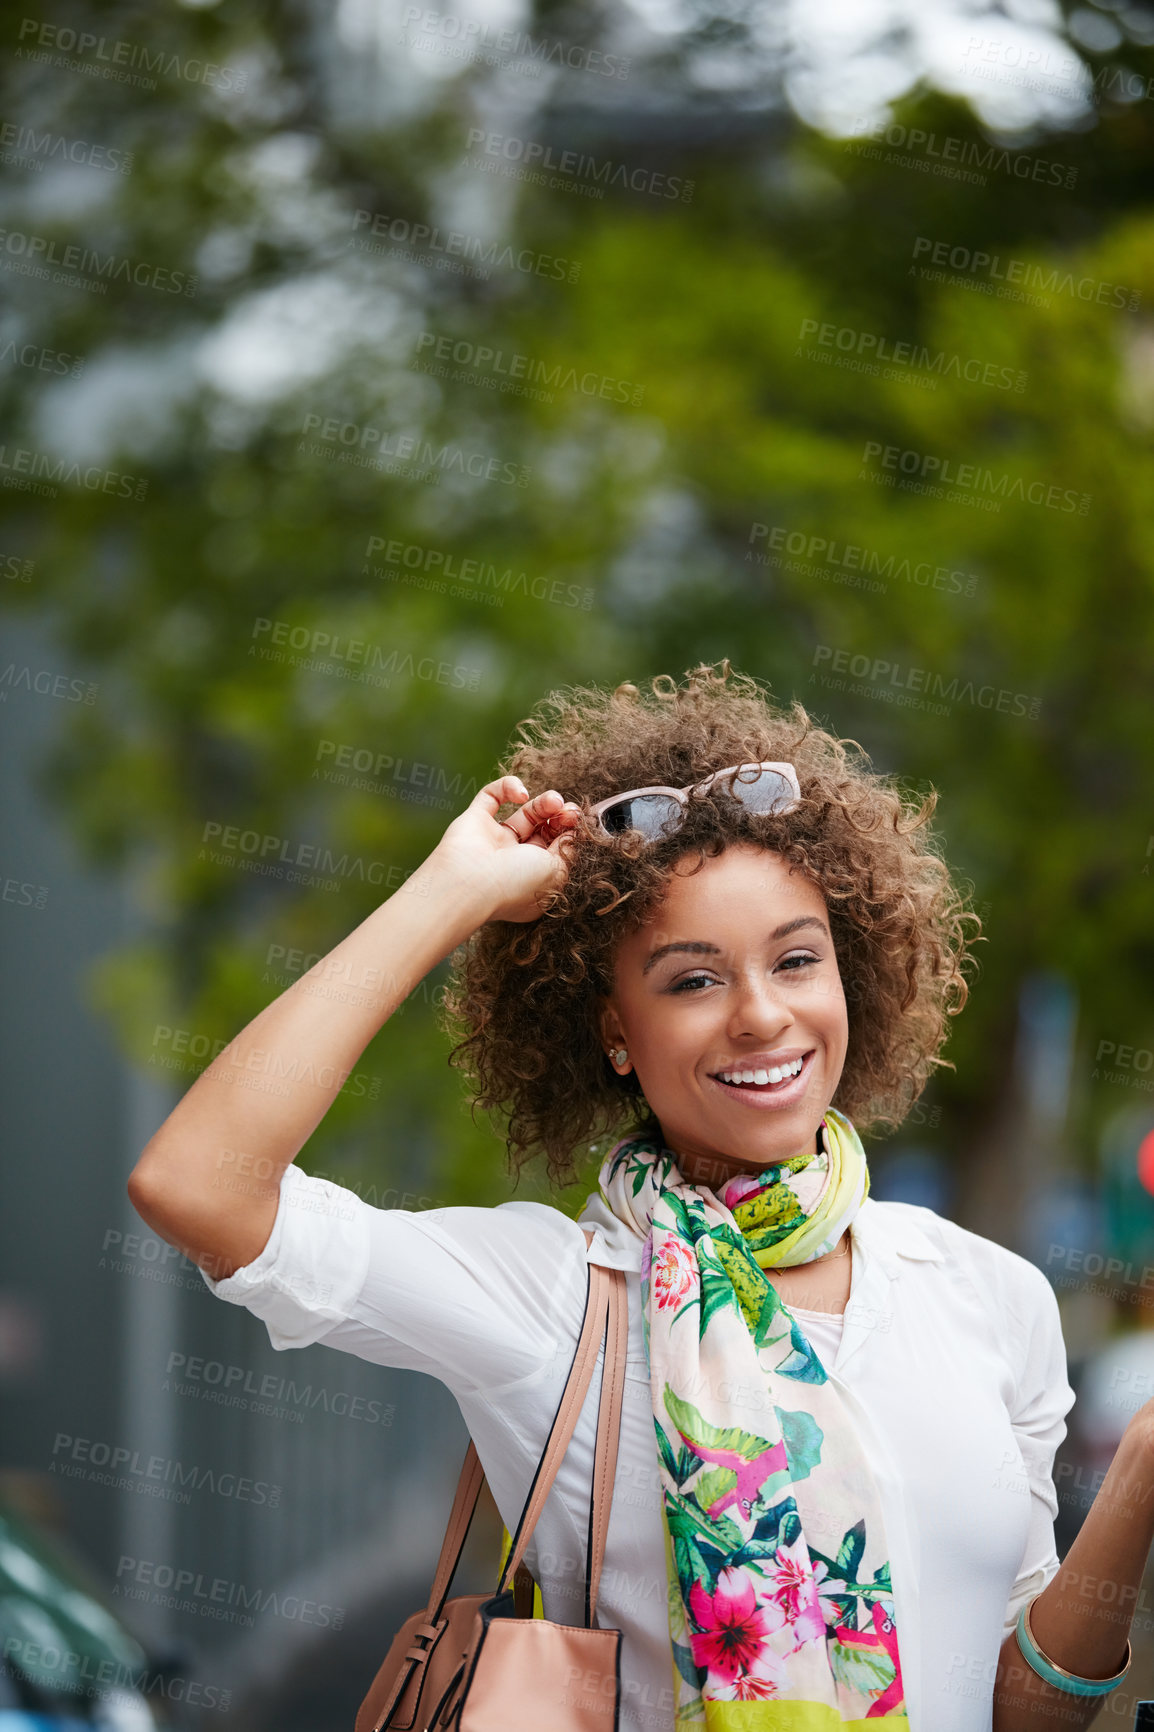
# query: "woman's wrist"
[459,889]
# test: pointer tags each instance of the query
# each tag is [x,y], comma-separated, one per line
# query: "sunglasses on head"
[656,812]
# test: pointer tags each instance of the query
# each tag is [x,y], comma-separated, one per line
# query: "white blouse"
[950,1357]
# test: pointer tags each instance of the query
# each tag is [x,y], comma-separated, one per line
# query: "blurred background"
[369,370]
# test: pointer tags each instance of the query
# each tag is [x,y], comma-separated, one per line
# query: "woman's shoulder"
[914,1231]
[536,1231]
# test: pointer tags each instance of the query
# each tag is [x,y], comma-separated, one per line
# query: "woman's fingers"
[542,820]
[558,829]
[536,815]
[506,790]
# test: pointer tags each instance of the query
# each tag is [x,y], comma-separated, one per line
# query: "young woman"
[711,927]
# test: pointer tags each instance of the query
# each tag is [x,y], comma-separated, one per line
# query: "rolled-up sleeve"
[1042,1401]
[311,1271]
[479,1298]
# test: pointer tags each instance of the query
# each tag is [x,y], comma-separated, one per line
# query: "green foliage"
[1038,619]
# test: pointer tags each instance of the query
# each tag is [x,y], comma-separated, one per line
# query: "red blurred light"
[1146,1162]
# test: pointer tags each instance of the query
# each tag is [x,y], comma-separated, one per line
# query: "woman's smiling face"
[734,977]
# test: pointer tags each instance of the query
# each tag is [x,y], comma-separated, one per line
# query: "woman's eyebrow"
[694,949]
[697,948]
[796,926]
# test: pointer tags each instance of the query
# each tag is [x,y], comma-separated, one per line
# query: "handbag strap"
[608,1436]
[605,1315]
[460,1519]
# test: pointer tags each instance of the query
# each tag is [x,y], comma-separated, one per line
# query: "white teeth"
[775,1074]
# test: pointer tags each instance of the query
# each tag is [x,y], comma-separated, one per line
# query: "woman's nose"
[758,1011]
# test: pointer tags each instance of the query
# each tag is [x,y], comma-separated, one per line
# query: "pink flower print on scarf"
[732,1641]
[674,1272]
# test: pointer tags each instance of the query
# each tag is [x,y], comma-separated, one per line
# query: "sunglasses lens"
[766,792]
[649,813]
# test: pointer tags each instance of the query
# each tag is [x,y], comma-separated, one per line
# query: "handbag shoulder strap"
[605,1316]
[605,1293]
[460,1520]
[608,1436]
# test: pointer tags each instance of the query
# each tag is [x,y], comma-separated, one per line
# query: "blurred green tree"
[423,438]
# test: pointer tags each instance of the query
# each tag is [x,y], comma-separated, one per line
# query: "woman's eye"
[801,960]
[692,983]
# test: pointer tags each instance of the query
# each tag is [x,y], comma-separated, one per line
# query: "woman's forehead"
[742,887]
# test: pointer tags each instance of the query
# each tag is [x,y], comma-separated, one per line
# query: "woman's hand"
[521,860]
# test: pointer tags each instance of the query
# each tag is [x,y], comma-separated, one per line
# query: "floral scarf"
[779,1576]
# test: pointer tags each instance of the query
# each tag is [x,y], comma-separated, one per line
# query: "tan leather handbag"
[482,1663]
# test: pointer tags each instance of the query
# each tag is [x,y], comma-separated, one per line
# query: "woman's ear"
[613,1037]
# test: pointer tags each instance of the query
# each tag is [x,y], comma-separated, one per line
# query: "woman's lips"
[768,1096]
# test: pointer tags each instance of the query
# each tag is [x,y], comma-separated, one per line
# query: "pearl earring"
[620,1057]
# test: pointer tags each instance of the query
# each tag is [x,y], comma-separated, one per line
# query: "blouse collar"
[882,1233]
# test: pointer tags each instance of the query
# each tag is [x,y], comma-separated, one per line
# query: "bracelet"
[1058,1675]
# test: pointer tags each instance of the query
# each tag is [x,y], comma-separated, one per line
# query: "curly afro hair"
[524,999]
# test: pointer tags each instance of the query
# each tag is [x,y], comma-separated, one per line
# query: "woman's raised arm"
[209,1180]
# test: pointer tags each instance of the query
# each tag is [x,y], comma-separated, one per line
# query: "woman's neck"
[701,1167]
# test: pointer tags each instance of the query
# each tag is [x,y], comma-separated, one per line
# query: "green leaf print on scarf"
[772,1215]
[688,1522]
[718,1292]
[803,1440]
[681,1466]
[756,1296]
[718,1484]
[758,1469]
[849,1553]
[769,1323]
[683,1660]
[861,1668]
